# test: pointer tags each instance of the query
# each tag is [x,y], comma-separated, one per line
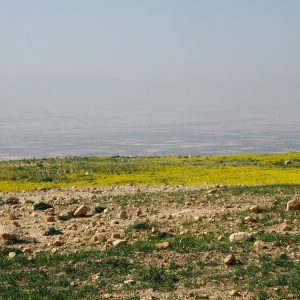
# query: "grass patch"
[69,215]
[42,206]
[52,231]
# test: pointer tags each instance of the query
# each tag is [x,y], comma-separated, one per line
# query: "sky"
[158,54]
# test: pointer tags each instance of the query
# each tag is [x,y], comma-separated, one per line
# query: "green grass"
[68,276]
[253,169]
[52,231]
[42,206]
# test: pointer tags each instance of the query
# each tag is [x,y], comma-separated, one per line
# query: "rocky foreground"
[231,228]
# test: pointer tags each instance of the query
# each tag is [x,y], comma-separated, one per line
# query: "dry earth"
[173,211]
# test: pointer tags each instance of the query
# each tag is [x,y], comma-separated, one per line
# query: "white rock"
[119,242]
[240,237]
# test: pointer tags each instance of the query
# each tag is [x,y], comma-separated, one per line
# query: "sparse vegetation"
[247,169]
[42,206]
[66,217]
[53,231]
[173,239]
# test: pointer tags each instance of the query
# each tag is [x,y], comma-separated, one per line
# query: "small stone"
[129,282]
[50,219]
[81,211]
[99,238]
[50,212]
[115,236]
[220,238]
[255,209]
[12,255]
[154,230]
[260,245]
[13,200]
[28,250]
[211,192]
[249,219]
[229,260]
[234,293]
[58,243]
[287,228]
[119,242]
[95,277]
[123,215]
[240,237]
[163,245]
[196,218]
[114,222]
[293,205]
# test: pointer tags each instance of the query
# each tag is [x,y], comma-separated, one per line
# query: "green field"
[263,169]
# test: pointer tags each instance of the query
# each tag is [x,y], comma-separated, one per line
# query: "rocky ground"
[210,242]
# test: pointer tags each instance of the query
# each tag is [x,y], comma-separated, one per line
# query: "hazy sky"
[139,53]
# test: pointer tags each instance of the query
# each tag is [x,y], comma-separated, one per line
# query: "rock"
[95,277]
[50,212]
[13,217]
[293,205]
[50,219]
[163,245]
[211,192]
[234,293]
[287,228]
[99,238]
[169,217]
[196,218]
[119,242]
[58,243]
[229,260]
[123,215]
[129,282]
[27,250]
[115,236]
[7,231]
[114,222]
[154,230]
[249,219]
[240,237]
[255,209]
[81,211]
[260,245]
[13,200]
[229,206]
[12,255]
